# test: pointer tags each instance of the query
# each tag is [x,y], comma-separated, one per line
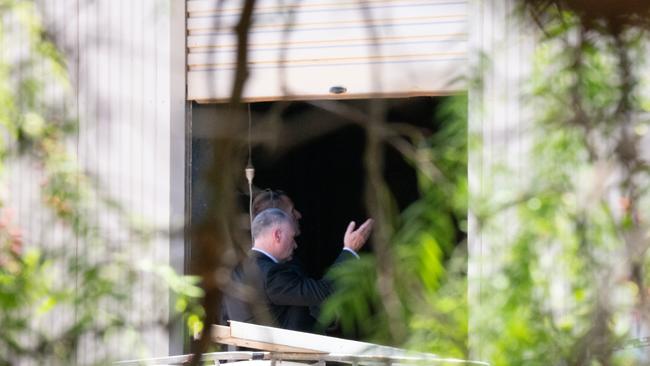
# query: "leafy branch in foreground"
[566,283]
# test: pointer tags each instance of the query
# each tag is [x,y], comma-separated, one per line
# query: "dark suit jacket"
[275,294]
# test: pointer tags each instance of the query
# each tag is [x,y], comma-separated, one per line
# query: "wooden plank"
[222,334]
[359,79]
[413,47]
[313,342]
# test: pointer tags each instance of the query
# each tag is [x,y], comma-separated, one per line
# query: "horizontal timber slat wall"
[299,50]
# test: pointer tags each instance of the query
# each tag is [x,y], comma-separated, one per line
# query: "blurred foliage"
[89,297]
[430,253]
[563,280]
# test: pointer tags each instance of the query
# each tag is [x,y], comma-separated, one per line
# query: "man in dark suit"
[269,289]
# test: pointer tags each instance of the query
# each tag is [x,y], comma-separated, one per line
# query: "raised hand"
[355,239]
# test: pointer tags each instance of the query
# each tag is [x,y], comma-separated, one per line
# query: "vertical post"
[179,134]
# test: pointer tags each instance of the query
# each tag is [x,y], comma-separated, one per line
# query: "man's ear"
[277,234]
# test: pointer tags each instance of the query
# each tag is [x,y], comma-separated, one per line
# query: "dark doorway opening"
[322,170]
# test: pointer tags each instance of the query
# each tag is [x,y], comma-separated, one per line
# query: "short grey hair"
[268,218]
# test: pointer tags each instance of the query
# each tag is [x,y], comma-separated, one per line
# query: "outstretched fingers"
[355,239]
[365,229]
[350,228]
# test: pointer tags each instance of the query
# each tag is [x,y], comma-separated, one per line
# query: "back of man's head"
[267,219]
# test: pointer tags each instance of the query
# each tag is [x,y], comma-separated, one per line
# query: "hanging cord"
[250,172]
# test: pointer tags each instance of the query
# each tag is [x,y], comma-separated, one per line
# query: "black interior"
[324,175]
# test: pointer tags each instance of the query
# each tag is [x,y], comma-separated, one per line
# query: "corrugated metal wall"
[501,57]
[118,56]
[299,49]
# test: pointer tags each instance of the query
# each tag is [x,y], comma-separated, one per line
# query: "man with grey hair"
[273,234]
[267,288]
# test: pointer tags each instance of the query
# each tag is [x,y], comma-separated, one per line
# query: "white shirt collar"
[266,254]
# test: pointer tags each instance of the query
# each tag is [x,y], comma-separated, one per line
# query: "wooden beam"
[222,334]
[313,342]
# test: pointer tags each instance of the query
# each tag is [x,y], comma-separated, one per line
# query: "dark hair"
[266,199]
